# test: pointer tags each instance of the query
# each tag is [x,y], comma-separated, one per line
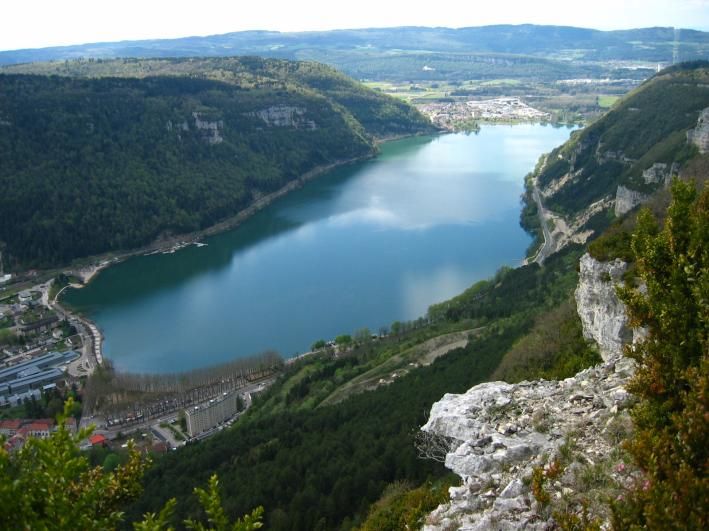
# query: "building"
[30,381]
[17,431]
[98,440]
[25,380]
[36,321]
[39,428]
[9,427]
[35,365]
[209,415]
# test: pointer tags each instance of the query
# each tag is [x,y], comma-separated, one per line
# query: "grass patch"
[606,101]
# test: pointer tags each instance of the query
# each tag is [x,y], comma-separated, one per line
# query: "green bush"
[672,378]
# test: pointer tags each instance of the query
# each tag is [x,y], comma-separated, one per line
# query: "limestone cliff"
[699,136]
[285,116]
[627,199]
[496,433]
[602,314]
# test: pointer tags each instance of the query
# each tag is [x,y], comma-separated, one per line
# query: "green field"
[606,101]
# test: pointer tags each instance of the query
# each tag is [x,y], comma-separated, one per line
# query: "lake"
[360,246]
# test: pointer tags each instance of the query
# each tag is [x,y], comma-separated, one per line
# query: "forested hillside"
[626,155]
[93,164]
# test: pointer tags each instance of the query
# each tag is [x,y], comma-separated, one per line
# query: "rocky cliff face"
[285,116]
[602,313]
[496,434]
[500,432]
[209,129]
[699,136]
[627,199]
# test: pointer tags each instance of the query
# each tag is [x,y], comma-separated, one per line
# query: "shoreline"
[91,266]
[88,268]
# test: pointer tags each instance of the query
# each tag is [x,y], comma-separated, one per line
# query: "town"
[465,115]
[48,354]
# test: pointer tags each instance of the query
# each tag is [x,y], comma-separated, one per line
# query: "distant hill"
[93,164]
[549,52]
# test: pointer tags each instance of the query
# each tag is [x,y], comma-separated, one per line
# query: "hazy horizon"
[46,23]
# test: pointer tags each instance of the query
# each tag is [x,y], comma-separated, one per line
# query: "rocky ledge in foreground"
[498,433]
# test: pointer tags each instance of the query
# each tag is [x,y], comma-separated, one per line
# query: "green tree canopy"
[672,378]
[49,484]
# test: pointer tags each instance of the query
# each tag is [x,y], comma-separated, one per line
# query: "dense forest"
[93,164]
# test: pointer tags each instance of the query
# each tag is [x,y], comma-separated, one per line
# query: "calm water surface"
[362,246]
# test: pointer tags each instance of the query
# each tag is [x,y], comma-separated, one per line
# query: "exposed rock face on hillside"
[699,136]
[660,172]
[285,116]
[602,313]
[498,433]
[209,128]
[627,199]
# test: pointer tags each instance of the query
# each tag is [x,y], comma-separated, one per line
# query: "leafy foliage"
[402,507]
[672,379]
[48,484]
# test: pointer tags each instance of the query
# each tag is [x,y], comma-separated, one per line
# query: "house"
[39,428]
[15,442]
[98,440]
[9,427]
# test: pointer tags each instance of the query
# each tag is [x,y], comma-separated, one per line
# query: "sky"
[40,23]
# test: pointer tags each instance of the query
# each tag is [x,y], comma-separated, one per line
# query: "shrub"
[672,379]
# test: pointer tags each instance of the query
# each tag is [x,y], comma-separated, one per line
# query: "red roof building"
[39,429]
[9,427]
[98,440]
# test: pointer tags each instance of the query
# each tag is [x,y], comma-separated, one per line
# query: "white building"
[206,416]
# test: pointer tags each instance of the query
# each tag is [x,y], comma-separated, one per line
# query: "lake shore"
[88,268]
[92,266]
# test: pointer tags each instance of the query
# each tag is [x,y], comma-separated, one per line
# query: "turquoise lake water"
[361,246]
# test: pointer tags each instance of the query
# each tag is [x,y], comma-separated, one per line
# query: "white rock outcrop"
[699,136]
[602,313]
[285,116]
[499,432]
[627,199]
[210,129]
[661,173]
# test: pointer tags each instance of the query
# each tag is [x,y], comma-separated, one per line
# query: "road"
[548,246]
